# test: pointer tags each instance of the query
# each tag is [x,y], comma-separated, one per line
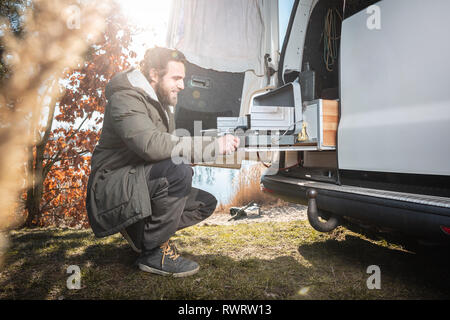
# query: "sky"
[284,8]
[150,15]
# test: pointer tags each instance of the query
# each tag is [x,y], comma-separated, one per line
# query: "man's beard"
[164,95]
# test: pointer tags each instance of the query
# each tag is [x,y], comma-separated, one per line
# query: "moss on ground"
[282,260]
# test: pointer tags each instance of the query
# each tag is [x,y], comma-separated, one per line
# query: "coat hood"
[132,79]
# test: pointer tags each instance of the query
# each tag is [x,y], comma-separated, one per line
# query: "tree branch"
[51,162]
[67,158]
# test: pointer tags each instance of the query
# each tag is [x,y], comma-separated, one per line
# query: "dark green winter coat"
[137,131]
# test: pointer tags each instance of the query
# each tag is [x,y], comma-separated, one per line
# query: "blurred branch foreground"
[57,33]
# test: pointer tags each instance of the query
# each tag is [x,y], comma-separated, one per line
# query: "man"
[138,185]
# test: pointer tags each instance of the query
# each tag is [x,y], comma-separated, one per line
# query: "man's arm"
[132,123]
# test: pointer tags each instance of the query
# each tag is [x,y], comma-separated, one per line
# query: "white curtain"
[223,35]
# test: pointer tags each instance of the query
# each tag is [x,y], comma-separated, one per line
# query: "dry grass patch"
[247,189]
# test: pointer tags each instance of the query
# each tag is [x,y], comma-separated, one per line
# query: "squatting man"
[136,186]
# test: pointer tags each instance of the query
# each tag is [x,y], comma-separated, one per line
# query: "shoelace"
[167,249]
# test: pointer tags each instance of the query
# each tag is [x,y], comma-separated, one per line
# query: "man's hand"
[228,144]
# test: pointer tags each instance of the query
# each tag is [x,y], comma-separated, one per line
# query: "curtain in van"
[223,35]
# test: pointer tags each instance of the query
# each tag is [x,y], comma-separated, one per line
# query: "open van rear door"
[233,54]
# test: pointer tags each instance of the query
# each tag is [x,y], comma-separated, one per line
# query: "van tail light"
[446,230]
[264,189]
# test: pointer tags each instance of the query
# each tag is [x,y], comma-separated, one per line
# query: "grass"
[245,261]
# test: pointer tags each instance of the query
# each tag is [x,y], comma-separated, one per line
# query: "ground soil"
[268,213]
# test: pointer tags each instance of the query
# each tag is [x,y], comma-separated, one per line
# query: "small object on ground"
[256,207]
[240,213]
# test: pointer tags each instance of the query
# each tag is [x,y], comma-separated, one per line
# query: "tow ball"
[319,220]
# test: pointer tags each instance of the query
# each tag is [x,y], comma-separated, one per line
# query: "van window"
[284,13]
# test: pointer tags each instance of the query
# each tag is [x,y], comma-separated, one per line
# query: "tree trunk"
[32,208]
[34,193]
[37,173]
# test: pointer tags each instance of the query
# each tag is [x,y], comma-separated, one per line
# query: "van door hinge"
[269,70]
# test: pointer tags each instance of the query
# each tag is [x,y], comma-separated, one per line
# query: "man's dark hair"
[158,58]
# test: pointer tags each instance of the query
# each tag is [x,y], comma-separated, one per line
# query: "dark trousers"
[175,204]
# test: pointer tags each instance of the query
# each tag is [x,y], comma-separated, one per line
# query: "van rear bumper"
[420,216]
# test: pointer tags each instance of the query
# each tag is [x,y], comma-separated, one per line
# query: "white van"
[350,105]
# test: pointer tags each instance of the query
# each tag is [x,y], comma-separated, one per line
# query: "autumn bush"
[60,161]
[31,64]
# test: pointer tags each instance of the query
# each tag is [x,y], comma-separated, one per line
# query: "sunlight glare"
[152,18]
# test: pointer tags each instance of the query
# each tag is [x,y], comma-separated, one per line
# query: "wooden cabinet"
[320,120]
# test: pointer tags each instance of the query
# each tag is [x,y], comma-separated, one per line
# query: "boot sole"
[146,268]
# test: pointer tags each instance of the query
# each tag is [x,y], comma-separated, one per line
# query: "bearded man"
[138,185]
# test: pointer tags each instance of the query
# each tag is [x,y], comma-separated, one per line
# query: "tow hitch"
[319,220]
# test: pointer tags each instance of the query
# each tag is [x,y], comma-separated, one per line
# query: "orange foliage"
[66,160]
